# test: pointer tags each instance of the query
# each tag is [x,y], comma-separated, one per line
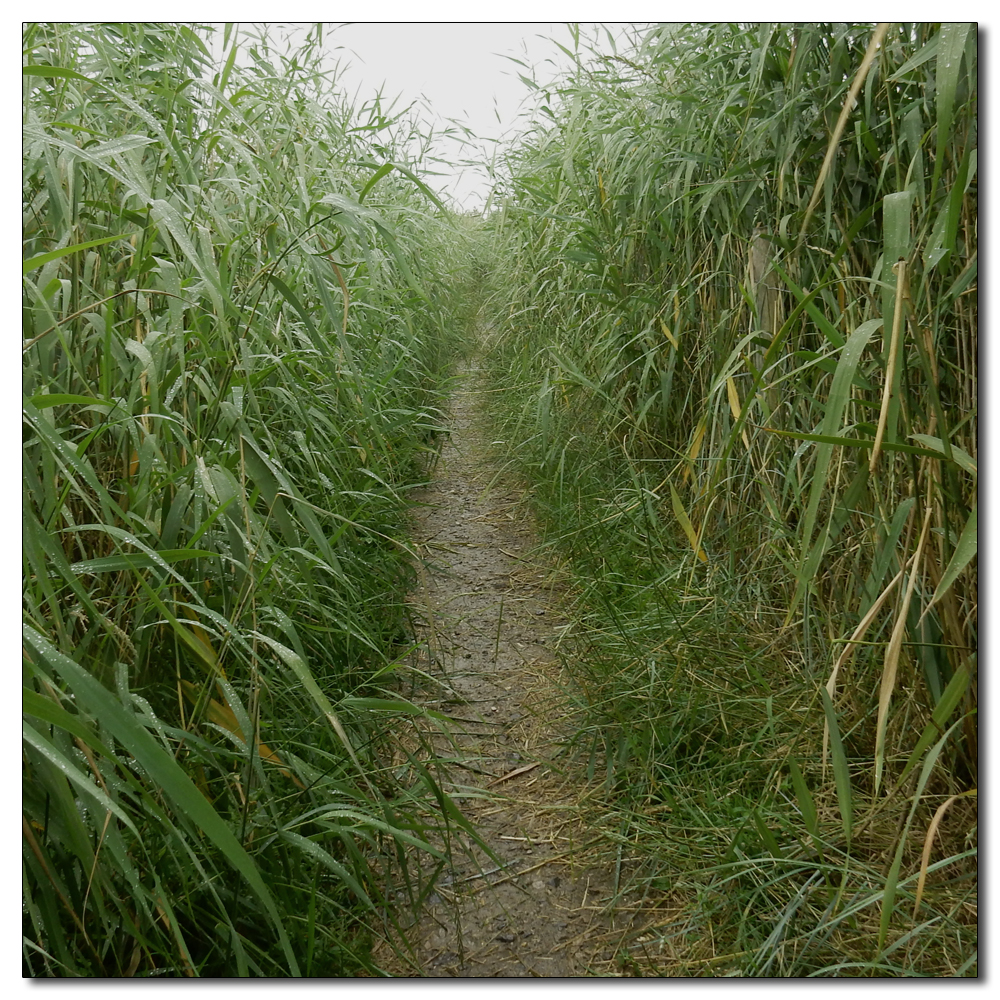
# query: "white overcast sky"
[451,72]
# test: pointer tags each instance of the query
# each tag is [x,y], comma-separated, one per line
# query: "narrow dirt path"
[545,905]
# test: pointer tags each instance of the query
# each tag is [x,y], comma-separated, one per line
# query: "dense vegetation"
[729,289]
[737,326]
[237,321]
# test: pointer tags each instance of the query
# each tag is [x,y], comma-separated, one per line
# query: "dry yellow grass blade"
[892,654]
[669,336]
[831,684]
[852,96]
[222,715]
[692,455]
[890,369]
[925,859]
[734,406]
[685,523]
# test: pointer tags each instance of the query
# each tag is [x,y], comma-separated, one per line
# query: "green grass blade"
[32,263]
[841,770]
[164,770]
[965,552]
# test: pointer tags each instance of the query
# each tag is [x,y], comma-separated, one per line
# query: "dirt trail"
[485,612]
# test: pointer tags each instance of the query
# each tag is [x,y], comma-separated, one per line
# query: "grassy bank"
[237,333]
[735,319]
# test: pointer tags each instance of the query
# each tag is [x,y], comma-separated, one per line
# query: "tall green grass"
[237,333]
[736,321]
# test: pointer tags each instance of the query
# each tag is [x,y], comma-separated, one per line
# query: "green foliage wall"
[738,324]
[235,315]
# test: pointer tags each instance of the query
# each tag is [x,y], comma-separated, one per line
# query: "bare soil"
[546,904]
